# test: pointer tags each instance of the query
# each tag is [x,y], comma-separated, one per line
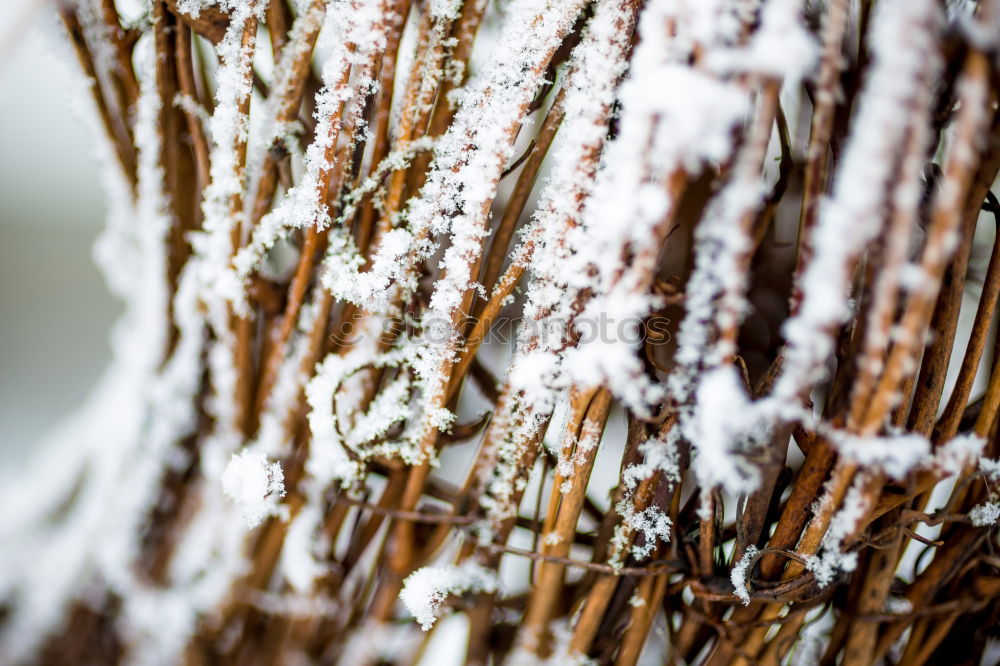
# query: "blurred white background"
[55,312]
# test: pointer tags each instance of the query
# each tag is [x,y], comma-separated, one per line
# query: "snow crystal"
[445,9]
[571,458]
[660,455]
[826,566]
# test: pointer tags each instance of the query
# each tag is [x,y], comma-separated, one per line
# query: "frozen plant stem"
[396,274]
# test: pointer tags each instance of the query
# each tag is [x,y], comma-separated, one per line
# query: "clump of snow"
[726,429]
[829,563]
[781,47]
[960,452]
[738,575]
[445,9]
[254,484]
[986,513]
[426,589]
[651,522]
[193,7]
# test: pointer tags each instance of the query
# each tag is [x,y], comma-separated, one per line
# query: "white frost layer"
[903,34]
[738,575]
[555,245]
[832,559]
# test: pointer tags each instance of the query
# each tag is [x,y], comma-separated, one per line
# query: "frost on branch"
[739,573]
[849,221]
[354,31]
[833,559]
[554,244]
[344,436]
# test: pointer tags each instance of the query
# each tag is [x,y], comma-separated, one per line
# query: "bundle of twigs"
[558,329]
